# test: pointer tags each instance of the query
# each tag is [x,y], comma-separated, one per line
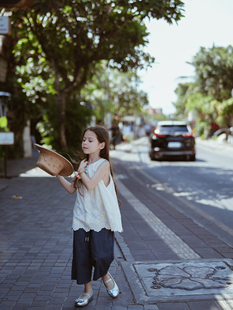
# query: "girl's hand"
[82,166]
[102,173]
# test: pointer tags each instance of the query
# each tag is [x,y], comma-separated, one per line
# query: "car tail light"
[157,134]
[187,134]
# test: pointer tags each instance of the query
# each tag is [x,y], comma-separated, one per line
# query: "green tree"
[129,99]
[115,92]
[225,113]
[214,71]
[61,42]
[180,104]
[209,95]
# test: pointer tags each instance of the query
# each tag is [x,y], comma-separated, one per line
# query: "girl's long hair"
[102,136]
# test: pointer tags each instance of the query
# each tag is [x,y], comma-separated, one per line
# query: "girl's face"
[90,143]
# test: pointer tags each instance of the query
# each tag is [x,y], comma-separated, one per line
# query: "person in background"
[116,135]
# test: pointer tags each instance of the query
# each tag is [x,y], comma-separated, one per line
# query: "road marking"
[178,246]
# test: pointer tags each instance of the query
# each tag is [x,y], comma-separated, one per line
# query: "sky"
[205,23]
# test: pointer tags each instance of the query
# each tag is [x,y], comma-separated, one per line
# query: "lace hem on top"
[97,229]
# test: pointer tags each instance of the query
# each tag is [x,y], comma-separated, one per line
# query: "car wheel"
[152,157]
[192,157]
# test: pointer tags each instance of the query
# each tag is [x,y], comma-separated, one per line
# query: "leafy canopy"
[209,95]
[61,43]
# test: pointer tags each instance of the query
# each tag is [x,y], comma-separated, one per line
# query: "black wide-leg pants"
[91,249]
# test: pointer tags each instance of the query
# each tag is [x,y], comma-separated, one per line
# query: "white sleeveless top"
[98,208]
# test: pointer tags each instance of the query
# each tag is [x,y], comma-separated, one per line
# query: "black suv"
[172,138]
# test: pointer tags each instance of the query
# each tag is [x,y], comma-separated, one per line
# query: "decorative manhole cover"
[189,278]
[194,277]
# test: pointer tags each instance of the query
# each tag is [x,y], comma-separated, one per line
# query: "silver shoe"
[114,292]
[82,302]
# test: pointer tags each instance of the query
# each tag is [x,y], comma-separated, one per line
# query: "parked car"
[227,131]
[173,139]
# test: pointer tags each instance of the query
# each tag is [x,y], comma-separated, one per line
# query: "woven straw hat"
[53,163]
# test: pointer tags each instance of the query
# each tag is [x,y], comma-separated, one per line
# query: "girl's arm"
[101,173]
[66,184]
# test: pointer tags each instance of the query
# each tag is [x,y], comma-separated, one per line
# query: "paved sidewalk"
[216,145]
[163,260]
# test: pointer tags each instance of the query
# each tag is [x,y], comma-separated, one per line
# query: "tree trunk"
[62,123]
[62,103]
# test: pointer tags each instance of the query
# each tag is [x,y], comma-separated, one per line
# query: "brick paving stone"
[12,297]
[37,307]
[151,307]
[3,293]
[13,293]
[103,298]
[53,307]
[56,300]
[209,253]
[135,307]
[103,306]
[41,297]
[70,303]
[7,304]
[31,290]
[39,303]
[20,306]
[119,308]
[60,295]
[15,287]
[175,306]
[24,299]
[44,293]
[203,305]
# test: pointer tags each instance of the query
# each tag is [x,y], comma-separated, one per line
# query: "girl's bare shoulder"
[105,164]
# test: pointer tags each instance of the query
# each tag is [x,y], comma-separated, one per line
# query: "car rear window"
[180,128]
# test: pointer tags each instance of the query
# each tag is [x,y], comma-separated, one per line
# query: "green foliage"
[129,100]
[225,113]
[19,110]
[3,128]
[209,96]
[214,71]
[206,106]
[3,122]
[115,92]
[201,129]
[160,117]
[78,115]
[181,92]
[59,46]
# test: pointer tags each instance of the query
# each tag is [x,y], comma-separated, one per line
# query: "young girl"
[96,215]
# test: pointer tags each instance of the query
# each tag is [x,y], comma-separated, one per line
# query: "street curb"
[123,247]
